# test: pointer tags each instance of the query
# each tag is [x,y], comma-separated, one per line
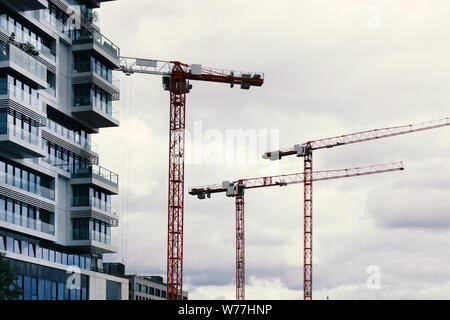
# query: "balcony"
[24,98]
[25,5]
[26,185]
[90,207]
[24,64]
[93,246]
[89,72]
[71,140]
[9,28]
[20,143]
[95,41]
[23,101]
[97,176]
[21,223]
[95,113]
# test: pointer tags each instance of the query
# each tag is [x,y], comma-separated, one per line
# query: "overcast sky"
[331,67]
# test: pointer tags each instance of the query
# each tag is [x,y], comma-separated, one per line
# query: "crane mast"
[237,189]
[306,149]
[175,79]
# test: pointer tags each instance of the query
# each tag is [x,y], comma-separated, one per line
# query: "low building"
[141,287]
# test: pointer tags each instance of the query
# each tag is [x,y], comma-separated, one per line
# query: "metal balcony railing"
[100,172]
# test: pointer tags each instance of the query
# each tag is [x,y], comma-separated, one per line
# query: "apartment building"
[57,90]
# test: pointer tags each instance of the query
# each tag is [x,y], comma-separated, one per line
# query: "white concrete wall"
[62,214]
[97,288]
[63,77]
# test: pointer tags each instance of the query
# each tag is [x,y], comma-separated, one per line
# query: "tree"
[26,47]
[29,48]
[9,290]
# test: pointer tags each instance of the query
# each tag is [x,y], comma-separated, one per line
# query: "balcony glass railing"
[22,95]
[84,36]
[103,72]
[27,185]
[26,222]
[49,20]
[51,91]
[71,135]
[101,237]
[84,101]
[63,166]
[23,59]
[9,29]
[100,172]
[20,133]
[87,201]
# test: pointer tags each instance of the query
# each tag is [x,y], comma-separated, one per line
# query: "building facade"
[56,91]
[141,287]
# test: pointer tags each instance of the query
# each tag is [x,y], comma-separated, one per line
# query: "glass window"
[66,292]
[138,287]
[9,210]
[45,254]
[2,172]
[18,33]
[3,21]
[2,243]
[9,174]
[34,289]
[60,290]
[41,288]
[48,289]
[2,208]
[88,263]
[17,246]
[32,250]
[38,251]
[53,290]
[58,257]
[82,262]
[32,182]
[157,292]
[25,248]
[51,255]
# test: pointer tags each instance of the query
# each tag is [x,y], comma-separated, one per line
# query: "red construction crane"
[176,76]
[305,150]
[237,189]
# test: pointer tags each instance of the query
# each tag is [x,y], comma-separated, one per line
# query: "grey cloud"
[326,74]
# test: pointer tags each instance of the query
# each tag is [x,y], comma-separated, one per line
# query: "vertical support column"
[307,226]
[240,247]
[178,85]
